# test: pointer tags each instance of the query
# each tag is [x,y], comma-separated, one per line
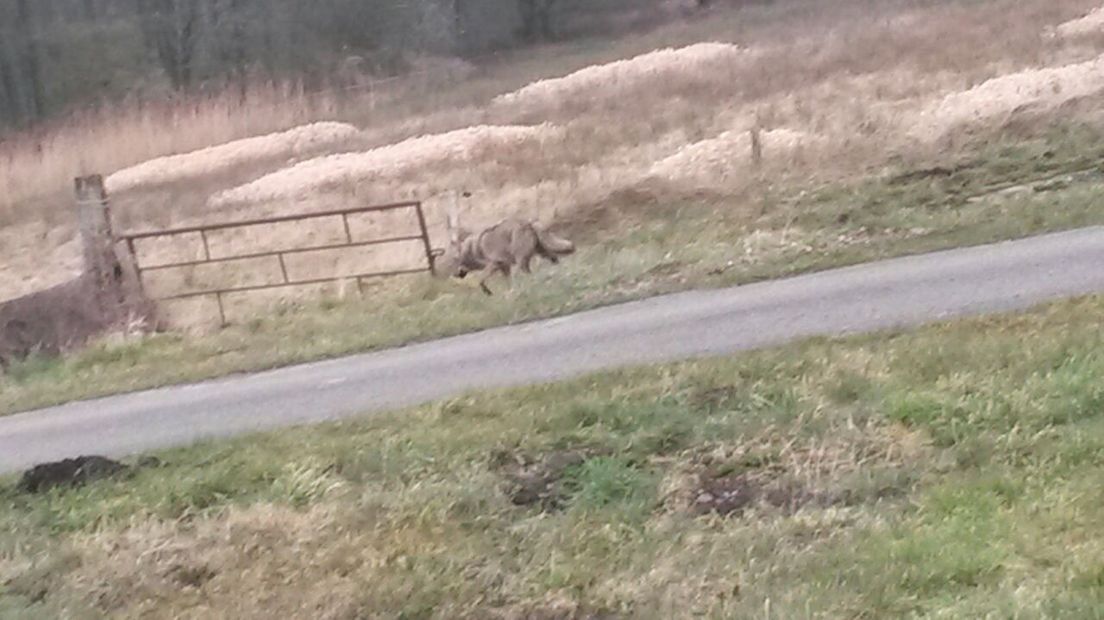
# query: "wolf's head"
[449,261]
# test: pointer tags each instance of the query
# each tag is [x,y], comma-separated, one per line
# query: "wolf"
[512,242]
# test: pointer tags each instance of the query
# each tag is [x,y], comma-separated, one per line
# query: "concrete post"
[94,223]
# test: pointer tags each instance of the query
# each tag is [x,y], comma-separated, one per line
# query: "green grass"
[641,245]
[948,472]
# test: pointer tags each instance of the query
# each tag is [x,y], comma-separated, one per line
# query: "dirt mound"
[69,473]
[58,318]
[717,158]
[1093,23]
[619,76]
[1037,89]
[460,147]
[211,160]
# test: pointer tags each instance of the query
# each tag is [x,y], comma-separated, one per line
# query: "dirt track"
[894,293]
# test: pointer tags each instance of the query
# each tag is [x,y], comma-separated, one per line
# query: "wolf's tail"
[551,244]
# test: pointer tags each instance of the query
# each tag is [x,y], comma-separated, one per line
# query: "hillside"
[840,93]
[884,131]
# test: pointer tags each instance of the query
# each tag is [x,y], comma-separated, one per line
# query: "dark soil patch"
[732,495]
[192,576]
[69,473]
[538,481]
[728,489]
[791,496]
[725,496]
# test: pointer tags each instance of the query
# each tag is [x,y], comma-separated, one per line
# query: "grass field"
[949,472]
[635,245]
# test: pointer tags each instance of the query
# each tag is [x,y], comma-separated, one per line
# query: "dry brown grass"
[854,80]
[209,568]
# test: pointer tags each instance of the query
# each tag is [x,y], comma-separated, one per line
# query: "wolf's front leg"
[487,273]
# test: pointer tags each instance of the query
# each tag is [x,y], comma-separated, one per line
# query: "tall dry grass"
[41,164]
[37,166]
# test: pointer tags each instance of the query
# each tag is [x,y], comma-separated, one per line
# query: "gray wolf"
[512,242]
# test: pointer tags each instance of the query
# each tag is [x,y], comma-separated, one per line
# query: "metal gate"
[279,255]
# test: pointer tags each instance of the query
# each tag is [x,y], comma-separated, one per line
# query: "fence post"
[756,147]
[97,240]
[431,258]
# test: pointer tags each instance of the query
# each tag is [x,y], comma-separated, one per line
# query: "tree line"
[59,53]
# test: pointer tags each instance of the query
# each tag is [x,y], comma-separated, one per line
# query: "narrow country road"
[893,293]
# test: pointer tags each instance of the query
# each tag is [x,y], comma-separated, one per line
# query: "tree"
[536,19]
[29,59]
[229,19]
[171,29]
[55,54]
[459,22]
[90,9]
[11,107]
